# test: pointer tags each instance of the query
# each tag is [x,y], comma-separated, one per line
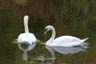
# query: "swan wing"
[67,41]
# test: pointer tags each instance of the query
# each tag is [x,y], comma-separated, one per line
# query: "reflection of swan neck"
[53,34]
[26,24]
[25,57]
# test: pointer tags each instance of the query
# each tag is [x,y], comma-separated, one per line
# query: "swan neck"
[26,26]
[53,34]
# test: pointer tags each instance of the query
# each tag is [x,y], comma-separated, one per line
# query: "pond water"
[11,54]
[11,25]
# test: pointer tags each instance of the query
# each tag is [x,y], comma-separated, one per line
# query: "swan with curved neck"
[63,41]
[26,38]
[49,27]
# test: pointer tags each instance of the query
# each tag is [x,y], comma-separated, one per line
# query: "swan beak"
[45,32]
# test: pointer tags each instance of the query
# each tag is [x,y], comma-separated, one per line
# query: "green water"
[76,18]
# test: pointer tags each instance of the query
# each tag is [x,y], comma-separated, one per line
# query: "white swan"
[26,38]
[60,42]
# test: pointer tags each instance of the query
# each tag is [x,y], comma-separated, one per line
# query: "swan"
[26,38]
[54,44]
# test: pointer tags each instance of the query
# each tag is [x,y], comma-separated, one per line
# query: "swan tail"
[84,39]
[84,44]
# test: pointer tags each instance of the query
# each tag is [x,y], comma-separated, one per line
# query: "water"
[10,53]
[76,20]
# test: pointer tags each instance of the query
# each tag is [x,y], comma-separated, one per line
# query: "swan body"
[67,41]
[26,38]
[62,42]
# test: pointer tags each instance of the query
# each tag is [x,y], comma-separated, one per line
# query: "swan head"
[26,17]
[48,28]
